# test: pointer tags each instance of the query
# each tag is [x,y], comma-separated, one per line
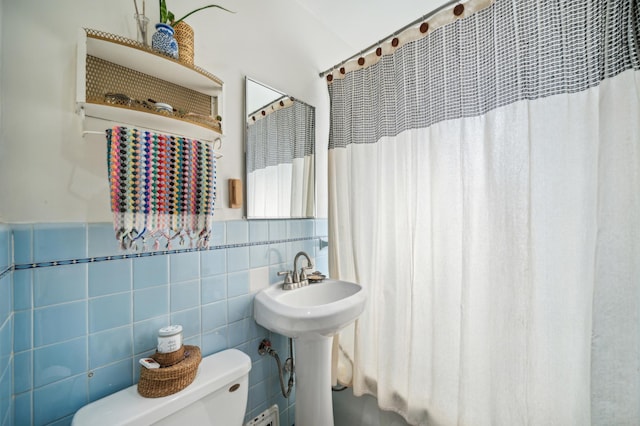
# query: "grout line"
[131,355]
[88,371]
[149,254]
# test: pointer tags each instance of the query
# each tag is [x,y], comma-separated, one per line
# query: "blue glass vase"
[163,41]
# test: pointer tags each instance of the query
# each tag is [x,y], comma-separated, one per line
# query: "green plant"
[167,17]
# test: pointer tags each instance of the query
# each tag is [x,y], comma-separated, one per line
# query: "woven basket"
[169,359]
[158,382]
[183,33]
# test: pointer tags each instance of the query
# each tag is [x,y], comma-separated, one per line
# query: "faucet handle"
[287,278]
[303,274]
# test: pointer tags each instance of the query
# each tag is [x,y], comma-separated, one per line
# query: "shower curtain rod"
[366,49]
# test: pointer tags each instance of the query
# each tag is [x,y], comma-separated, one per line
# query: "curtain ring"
[219,140]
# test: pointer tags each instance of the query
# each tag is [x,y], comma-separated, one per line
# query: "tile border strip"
[24,266]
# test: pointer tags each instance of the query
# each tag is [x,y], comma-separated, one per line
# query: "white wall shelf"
[142,74]
[148,121]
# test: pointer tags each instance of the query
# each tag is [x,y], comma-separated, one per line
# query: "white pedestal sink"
[311,315]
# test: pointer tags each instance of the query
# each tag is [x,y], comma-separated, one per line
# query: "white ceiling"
[360,23]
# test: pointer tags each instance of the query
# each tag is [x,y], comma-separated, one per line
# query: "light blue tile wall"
[6,328]
[81,326]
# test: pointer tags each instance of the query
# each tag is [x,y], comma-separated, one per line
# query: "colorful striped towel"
[162,187]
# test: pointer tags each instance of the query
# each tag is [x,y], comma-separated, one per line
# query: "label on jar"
[169,339]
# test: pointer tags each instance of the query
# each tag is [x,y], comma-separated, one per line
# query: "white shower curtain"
[485,188]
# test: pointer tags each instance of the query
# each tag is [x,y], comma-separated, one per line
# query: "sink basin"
[317,309]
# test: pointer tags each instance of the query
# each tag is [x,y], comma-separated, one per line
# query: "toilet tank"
[217,396]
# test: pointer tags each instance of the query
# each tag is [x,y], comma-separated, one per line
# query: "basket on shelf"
[158,382]
[183,33]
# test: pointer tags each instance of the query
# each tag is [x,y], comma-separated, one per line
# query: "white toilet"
[213,398]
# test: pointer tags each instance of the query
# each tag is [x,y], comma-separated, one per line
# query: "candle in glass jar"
[169,339]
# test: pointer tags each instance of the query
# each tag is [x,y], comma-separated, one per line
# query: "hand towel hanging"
[162,187]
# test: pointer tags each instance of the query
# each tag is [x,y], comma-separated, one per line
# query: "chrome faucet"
[299,278]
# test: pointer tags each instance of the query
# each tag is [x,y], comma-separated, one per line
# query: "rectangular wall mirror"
[280,154]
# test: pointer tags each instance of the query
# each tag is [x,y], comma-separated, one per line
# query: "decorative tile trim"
[148,254]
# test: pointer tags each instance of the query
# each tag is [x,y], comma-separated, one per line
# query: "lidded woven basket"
[183,33]
[171,358]
[159,382]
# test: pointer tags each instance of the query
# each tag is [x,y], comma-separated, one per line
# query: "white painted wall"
[49,173]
